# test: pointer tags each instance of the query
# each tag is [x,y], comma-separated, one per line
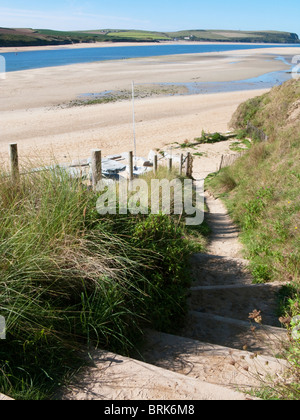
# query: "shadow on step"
[221,226]
[234,333]
[208,269]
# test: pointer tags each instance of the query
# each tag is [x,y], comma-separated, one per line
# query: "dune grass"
[70,278]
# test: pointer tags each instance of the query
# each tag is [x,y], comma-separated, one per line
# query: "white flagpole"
[134,136]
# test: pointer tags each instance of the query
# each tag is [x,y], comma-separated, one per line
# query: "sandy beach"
[114,44]
[34,111]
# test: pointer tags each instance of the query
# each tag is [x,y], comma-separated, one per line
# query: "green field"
[203,35]
[133,35]
[236,36]
[38,37]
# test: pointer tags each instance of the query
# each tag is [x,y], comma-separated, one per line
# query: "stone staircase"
[219,343]
[219,354]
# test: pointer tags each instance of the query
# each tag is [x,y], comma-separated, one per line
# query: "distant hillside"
[35,37]
[38,37]
[203,35]
[238,36]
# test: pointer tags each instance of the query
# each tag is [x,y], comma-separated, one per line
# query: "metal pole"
[134,134]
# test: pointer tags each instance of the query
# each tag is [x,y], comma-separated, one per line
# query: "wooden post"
[170,164]
[221,164]
[130,166]
[187,165]
[96,167]
[181,165]
[14,162]
[155,164]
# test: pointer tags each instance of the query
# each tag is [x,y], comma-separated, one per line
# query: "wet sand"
[33,112]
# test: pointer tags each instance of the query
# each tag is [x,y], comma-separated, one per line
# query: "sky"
[157,15]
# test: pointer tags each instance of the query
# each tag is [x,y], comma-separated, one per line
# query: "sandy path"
[224,238]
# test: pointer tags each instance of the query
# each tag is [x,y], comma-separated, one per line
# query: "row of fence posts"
[185,165]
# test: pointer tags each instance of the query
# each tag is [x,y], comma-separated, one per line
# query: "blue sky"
[159,15]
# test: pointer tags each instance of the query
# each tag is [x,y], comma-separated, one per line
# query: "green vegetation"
[204,35]
[70,278]
[265,198]
[240,146]
[261,191]
[211,138]
[39,37]
[204,139]
[142,91]
[136,35]
[43,37]
[236,36]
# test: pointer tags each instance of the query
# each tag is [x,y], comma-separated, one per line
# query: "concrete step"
[233,333]
[210,269]
[237,301]
[116,378]
[5,398]
[219,365]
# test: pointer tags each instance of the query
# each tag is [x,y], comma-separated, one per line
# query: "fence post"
[155,164]
[170,164]
[189,165]
[181,165]
[14,161]
[221,164]
[130,166]
[96,167]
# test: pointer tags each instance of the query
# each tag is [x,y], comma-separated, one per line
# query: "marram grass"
[70,278]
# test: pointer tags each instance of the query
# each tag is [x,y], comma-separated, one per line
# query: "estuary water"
[16,61]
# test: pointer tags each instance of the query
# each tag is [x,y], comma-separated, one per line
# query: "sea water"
[25,60]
